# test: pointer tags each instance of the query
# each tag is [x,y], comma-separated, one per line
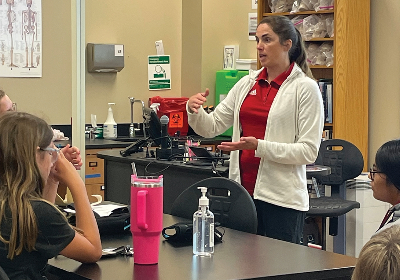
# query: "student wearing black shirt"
[32,230]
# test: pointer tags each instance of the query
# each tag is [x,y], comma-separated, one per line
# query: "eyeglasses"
[54,152]
[373,172]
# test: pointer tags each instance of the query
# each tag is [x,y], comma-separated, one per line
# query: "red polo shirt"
[253,117]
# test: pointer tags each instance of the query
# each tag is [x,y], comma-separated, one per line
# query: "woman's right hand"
[197,100]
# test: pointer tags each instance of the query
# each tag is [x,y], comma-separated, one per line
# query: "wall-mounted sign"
[159,72]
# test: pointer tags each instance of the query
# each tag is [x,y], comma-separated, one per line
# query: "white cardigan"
[292,136]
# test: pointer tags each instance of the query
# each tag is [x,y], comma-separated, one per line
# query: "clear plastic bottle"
[203,227]
[110,126]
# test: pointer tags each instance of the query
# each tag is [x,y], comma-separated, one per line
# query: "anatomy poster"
[20,38]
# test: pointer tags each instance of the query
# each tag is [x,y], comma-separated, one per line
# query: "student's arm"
[84,247]
[50,189]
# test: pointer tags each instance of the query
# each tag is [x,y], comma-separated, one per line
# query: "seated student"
[385,180]
[5,102]
[71,153]
[32,229]
[379,258]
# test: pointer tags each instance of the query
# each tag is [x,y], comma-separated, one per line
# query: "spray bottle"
[110,126]
[203,227]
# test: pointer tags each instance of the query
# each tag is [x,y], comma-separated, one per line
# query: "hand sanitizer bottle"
[203,227]
[110,126]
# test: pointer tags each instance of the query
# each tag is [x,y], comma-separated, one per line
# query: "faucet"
[131,126]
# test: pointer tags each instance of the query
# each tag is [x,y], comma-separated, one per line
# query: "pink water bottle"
[146,217]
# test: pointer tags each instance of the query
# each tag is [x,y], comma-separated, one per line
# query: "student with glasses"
[385,181]
[32,229]
[71,153]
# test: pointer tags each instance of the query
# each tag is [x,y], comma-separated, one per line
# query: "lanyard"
[387,216]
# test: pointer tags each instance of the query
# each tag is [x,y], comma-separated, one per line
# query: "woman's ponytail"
[299,55]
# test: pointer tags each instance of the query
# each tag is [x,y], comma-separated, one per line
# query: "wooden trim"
[351,73]
[320,67]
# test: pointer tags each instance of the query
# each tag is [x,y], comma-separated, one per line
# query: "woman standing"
[32,230]
[277,117]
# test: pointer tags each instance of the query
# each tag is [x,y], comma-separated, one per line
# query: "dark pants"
[279,222]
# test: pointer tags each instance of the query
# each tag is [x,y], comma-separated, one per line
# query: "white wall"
[384,92]
[225,22]
[137,25]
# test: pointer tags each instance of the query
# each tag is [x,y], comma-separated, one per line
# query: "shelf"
[299,13]
[320,67]
[320,39]
[330,125]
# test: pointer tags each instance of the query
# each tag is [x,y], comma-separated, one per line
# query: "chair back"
[230,203]
[344,159]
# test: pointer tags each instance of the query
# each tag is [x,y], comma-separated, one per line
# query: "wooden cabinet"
[350,72]
[94,174]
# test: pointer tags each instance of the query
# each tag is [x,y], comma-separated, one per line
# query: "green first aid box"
[225,80]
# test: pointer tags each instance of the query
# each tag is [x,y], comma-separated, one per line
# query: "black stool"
[346,162]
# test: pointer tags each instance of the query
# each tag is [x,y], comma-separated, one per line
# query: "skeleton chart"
[20,38]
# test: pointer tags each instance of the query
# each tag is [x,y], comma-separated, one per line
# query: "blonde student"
[380,257]
[32,229]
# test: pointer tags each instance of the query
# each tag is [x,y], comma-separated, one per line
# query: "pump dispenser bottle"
[203,227]
[110,126]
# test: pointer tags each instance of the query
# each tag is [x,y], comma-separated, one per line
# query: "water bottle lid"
[146,181]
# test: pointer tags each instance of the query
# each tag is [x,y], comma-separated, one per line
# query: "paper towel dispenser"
[104,58]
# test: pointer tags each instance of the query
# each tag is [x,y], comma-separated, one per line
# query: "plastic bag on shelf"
[329,59]
[295,6]
[277,6]
[312,50]
[326,49]
[303,5]
[320,28]
[298,23]
[329,22]
[280,6]
[320,58]
[289,4]
[314,27]
[323,5]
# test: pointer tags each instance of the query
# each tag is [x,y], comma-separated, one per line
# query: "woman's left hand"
[245,143]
